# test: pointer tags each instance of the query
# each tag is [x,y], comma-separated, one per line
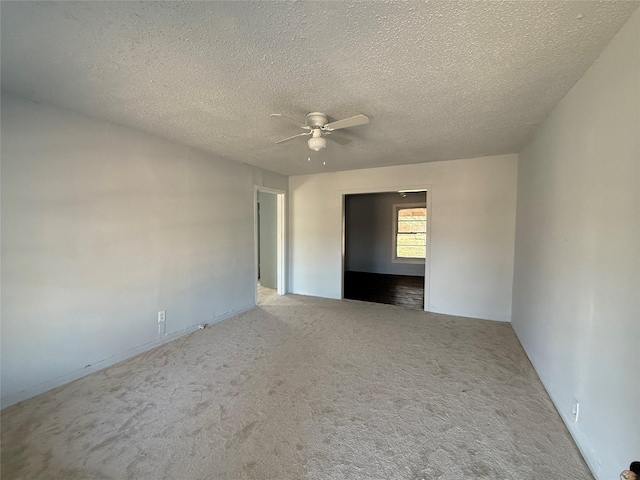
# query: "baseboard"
[107,362]
[568,422]
[491,318]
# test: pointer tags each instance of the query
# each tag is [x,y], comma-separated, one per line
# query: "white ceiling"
[439,80]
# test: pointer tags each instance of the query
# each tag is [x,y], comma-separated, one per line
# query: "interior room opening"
[386,248]
[267,251]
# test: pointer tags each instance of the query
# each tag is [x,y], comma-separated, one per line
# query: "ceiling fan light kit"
[318,126]
[316,142]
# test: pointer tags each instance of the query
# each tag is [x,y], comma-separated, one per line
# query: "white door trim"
[281,247]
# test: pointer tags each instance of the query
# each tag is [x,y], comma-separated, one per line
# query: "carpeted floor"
[266,295]
[303,387]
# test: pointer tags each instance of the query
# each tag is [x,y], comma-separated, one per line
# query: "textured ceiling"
[439,80]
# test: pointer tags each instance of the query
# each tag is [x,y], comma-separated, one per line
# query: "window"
[410,233]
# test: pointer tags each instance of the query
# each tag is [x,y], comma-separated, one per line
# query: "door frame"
[429,189]
[281,247]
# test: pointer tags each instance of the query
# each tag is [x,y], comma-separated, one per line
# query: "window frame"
[394,246]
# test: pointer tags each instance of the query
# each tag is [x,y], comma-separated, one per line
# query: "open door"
[269,243]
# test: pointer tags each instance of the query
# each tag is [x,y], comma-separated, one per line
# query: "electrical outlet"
[162,316]
[575,410]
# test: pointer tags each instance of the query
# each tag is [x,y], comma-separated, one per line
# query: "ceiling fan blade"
[288,120]
[347,122]
[295,136]
[337,137]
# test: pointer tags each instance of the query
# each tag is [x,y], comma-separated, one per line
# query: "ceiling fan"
[318,127]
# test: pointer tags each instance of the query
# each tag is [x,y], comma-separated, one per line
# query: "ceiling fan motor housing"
[317,126]
[316,120]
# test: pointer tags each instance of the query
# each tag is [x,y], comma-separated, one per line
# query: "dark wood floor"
[399,290]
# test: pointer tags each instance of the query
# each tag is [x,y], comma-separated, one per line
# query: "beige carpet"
[266,295]
[303,387]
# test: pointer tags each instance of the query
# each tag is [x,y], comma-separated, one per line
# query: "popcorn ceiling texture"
[303,387]
[440,80]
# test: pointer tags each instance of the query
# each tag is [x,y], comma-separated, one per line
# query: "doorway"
[386,248]
[269,244]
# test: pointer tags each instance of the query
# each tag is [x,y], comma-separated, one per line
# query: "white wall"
[369,228]
[576,301]
[472,230]
[268,240]
[104,226]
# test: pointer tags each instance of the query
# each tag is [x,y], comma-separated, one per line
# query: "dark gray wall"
[369,233]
